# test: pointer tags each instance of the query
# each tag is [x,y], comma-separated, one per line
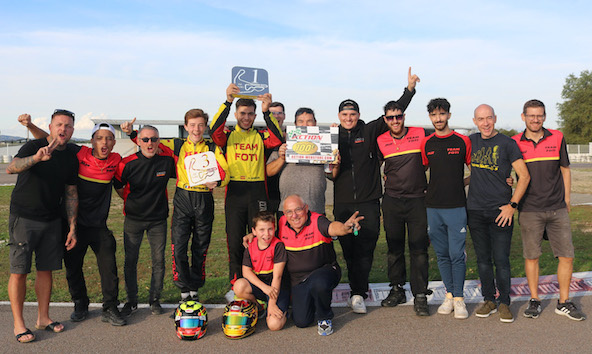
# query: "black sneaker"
[395,297]
[129,308]
[533,310]
[420,305]
[80,312]
[112,315]
[261,309]
[156,308]
[570,310]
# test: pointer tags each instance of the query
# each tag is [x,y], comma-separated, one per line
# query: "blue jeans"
[312,298]
[133,232]
[490,240]
[447,229]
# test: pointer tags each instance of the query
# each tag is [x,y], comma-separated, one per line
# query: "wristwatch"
[513,204]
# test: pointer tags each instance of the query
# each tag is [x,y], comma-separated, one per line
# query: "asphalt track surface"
[382,330]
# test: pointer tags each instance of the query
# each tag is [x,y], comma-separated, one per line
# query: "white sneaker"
[446,307]
[229,297]
[460,309]
[356,302]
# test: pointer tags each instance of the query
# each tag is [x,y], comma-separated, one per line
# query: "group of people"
[61,201]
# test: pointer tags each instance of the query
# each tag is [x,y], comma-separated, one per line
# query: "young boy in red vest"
[263,266]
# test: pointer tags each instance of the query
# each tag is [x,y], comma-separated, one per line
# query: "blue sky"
[157,59]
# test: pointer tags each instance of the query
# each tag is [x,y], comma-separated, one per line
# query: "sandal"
[51,327]
[25,333]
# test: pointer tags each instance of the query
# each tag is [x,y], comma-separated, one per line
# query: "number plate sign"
[316,145]
[252,82]
[202,168]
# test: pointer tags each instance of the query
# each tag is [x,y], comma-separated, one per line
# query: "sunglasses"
[152,139]
[398,117]
[60,112]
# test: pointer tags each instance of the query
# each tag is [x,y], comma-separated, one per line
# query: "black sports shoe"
[420,305]
[80,312]
[156,308]
[570,310]
[112,315]
[533,310]
[129,308]
[395,297]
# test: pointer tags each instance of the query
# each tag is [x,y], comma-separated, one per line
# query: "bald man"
[490,208]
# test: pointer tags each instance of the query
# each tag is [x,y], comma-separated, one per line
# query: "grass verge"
[217,261]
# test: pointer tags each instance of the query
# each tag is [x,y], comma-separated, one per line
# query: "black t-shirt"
[39,190]
[446,157]
[491,164]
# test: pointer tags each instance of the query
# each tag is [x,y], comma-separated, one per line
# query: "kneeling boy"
[263,266]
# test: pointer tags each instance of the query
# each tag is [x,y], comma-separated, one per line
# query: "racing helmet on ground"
[191,320]
[239,319]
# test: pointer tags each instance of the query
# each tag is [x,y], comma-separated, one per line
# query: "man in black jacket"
[357,187]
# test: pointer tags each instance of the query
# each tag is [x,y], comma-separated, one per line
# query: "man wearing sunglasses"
[47,174]
[403,207]
[146,210]
[357,187]
[96,169]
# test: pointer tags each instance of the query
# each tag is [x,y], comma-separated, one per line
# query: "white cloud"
[160,75]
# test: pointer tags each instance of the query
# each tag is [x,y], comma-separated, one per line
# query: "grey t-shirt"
[306,180]
[491,164]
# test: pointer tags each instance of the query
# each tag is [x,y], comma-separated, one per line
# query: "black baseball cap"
[349,103]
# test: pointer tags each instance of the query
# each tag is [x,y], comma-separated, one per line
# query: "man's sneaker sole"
[113,323]
[485,315]
[568,315]
[530,315]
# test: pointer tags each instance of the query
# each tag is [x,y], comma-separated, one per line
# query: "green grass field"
[217,262]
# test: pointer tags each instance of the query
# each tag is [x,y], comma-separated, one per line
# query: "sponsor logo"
[305,148]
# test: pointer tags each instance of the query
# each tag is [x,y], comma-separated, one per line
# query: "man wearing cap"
[96,169]
[46,178]
[357,187]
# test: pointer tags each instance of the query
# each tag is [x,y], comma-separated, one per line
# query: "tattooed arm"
[71,203]
[19,164]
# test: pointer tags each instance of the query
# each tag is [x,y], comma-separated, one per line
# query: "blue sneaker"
[325,327]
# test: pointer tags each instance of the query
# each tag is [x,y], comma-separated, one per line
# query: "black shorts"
[283,299]
[45,238]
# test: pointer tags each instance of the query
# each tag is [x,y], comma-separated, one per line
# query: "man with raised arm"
[244,148]
[47,175]
[96,169]
[403,207]
[357,187]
